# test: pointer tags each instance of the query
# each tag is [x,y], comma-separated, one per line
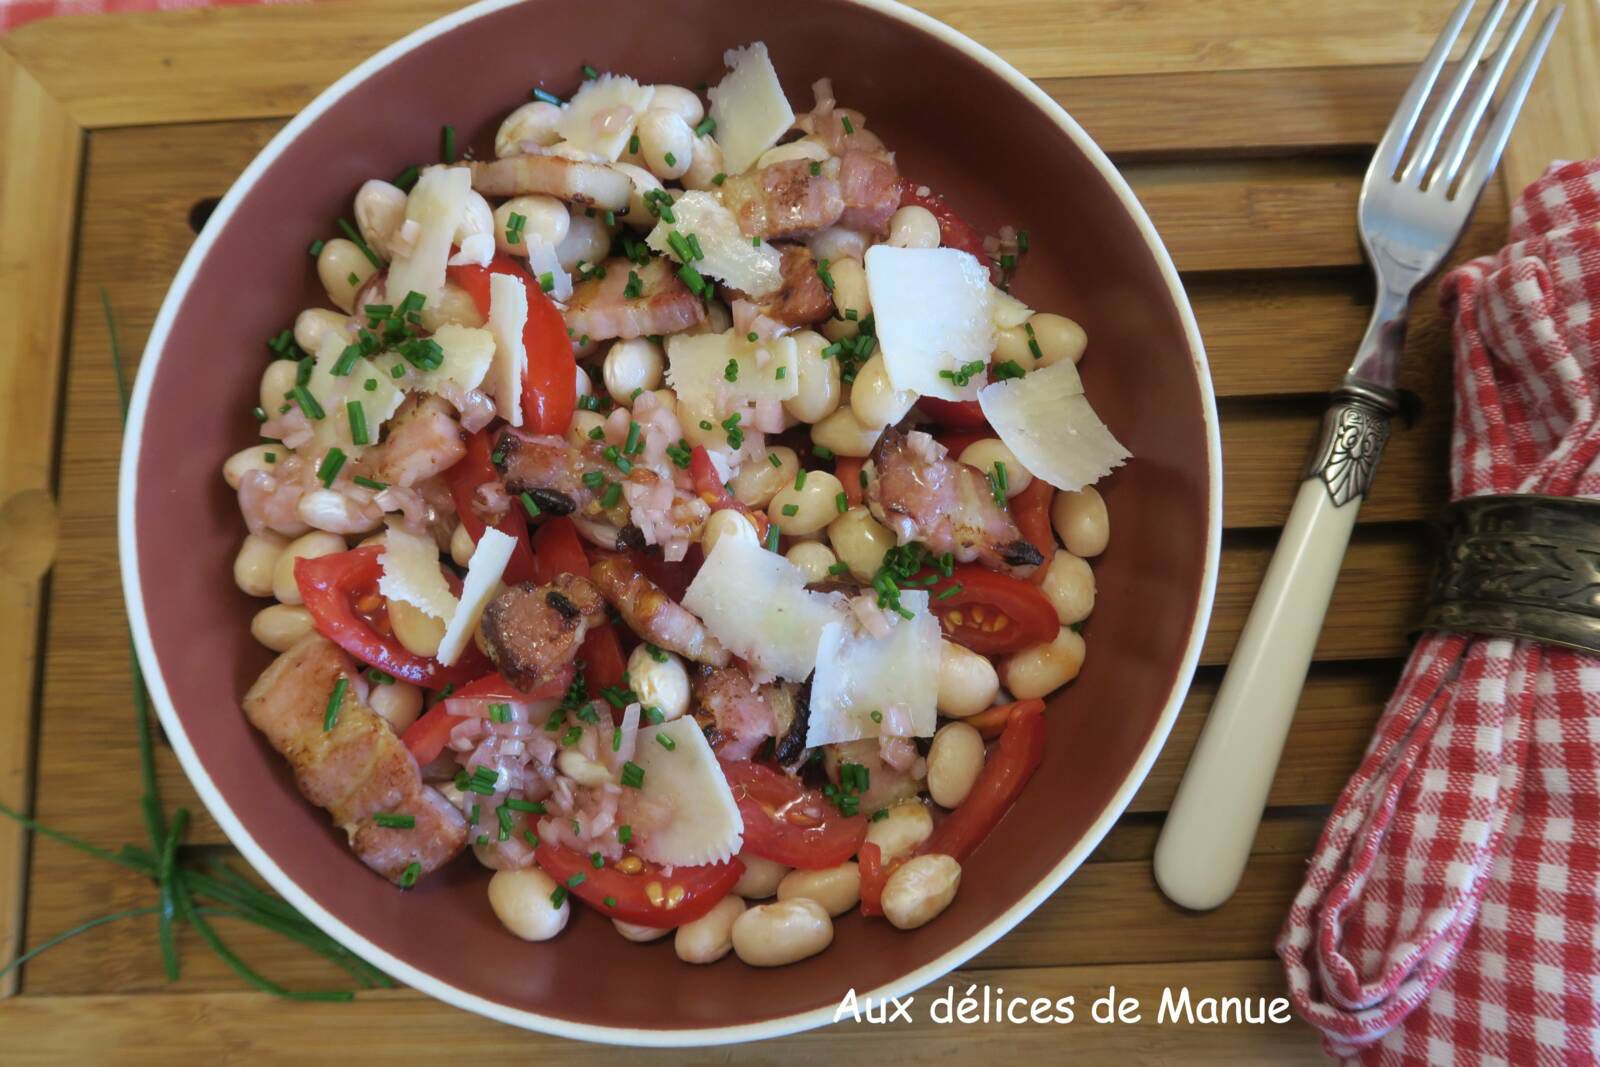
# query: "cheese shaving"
[508,315]
[437,204]
[702,822]
[600,118]
[932,310]
[1047,422]
[468,353]
[749,107]
[336,392]
[756,603]
[488,564]
[411,573]
[858,674]
[728,254]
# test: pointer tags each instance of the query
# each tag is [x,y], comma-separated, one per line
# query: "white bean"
[727,522]
[415,628]
[905,826]
[1081,521]
[954,760]
[587,241]
[666,142]
[814,558]
[544,218]
[662,684]
[631,364]
[818,391]
[1069,586]
[397,703]
[311,326]
[1042,669]
[710,937]
[704,165]
[759,480]
[582,423]
[343,269]
[249,459]
[476,217]
[967,681]
[771,935]
[461,546]
[837,889]
[809,508]
[1056,336]
[380,210]
[306,546]
[638,211]
[453,306]
[860,541]
[640,934]
[680,100]
[919,890]
[581,769]
[988,452]
[913,227]
[534,122]
[851,299]
[760,878]
[805,148]
[874,399]
[330,510]
[522,901]
[843,435]
[278,379]
[279,626]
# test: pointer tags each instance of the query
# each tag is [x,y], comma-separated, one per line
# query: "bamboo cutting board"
[1244,126]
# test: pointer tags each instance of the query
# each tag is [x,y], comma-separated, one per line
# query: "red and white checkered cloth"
[1449,915]
[14,13]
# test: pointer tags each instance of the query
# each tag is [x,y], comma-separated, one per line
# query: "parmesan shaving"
[488,564]
[411,573]
[749,107]
[702,822]
[932,310]
[600,118]
[1047,422]
[468,353]
[728,254]
[698,370]
[336,392]
[756,603]
[858,674]
[437,205]
[508,315]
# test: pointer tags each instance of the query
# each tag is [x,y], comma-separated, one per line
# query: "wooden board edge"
[1561,119]
[41,150]
[170,1027]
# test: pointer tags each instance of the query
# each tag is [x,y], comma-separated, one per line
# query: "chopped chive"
[839,568]
[358,422]
[634,287]
[670,159]
[632,775]
[499,712]
[596,860]
[822,272]
[800,479]
[680,246]
[842,503]
[472,815]
[576,880]
[390,820]
[307,402]
[718,178]
[707,125]
[409,876]
[781,374]
[594,479]
[360,242]
[447,147]
[589,73]
[705,424]
[514,225]
[335,702]
[1022,240]
[633,446]
[270,457]
[352,278]
[529,506]
[1033,342]
[772,539]
[791,510]
[816,168]
[371,385]
[612,494]
[534,807]
[755,242]
[368,483]
[877,716]
[572,736]
[506,820]
[1008,261]
[530,837]
[666,742]
[547,281]
[398,371]
[407,178]
[329,468]
[946,594]
[624,833]
[694,247]
[822,452]
[772,458]
[259,412]
[633,145]
[654,715]
[316,247]
[691,277]
[1008,370]
[547,97]
[559,897]
[849,127]
[611,902]
[731,371]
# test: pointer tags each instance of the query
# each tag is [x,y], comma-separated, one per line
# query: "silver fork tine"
[1387,158]
[1433,132]
[1494,142]
[1462,141]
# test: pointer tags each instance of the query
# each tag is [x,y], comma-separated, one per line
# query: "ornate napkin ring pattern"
[1520,566]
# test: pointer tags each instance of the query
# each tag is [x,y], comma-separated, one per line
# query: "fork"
[1415,201]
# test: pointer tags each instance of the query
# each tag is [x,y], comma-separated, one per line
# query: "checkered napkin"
[1449,914]
[14,13]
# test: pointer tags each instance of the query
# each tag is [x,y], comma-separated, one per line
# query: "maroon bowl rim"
[774,1027]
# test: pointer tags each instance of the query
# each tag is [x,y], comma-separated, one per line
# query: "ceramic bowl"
[959,120]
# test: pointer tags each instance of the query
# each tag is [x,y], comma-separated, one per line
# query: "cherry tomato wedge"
[788,823]
[706,481]
[645,898]
[557,550]
[1031,510]
[1005,772]
[991,723]
[477,468]
[549,385]
[991,612]
[954,231]
[336,587]
[428,736]
[848,470]
[955,414]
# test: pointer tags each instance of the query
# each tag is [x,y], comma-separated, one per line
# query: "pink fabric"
[14,13]
[1449,912]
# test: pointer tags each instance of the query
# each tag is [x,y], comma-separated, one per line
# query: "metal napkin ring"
[1520,566]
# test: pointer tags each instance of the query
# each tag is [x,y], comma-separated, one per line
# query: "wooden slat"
[141,75]
[165,1028]
[40,149]
[1561,119]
